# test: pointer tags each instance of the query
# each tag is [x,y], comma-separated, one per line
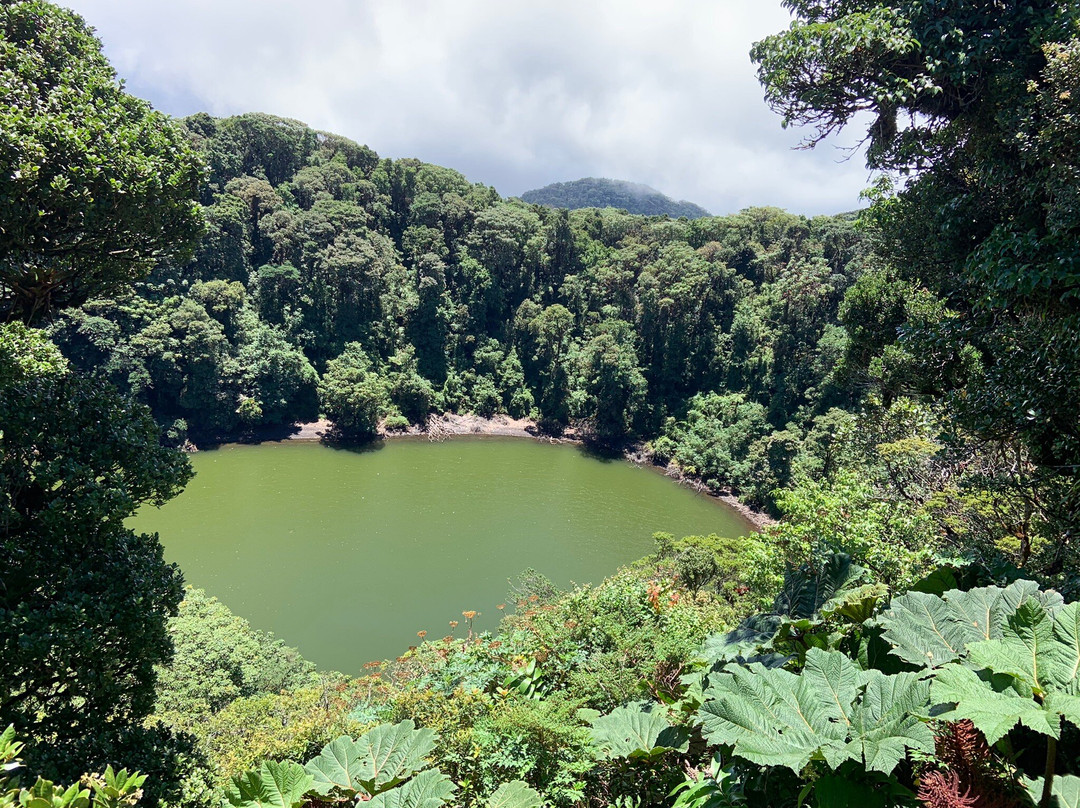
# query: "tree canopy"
[593,192]
[974,107]
[83,600]
[95,190]
[95,187]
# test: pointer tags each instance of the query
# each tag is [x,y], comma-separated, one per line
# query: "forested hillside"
[902,390]
[387,290]
[594,192]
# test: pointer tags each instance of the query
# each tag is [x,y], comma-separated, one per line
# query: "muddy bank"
[756,518]
[440,427]
[447,425]
[313,430]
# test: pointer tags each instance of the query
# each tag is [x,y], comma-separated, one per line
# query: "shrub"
[291,725]
[396,422]
[219,658]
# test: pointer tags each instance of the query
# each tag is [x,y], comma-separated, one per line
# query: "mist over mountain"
[594,192]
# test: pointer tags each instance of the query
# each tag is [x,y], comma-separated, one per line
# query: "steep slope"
[593,192]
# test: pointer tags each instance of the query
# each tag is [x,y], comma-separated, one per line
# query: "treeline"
[910,632]
[594,192]
[330,280]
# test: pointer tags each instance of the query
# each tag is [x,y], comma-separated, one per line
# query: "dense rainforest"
[600,192]
[380,292]
[901,388]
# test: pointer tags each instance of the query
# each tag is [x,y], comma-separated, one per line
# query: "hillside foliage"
[900,389]
[593,192]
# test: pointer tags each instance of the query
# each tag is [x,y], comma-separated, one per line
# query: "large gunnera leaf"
[273,785]
[392,752]
[515,794]
[1027,675]
[428,789]
[931,631]
[1065,791]
[636,731]
[337,770]
[807,591]
[381,759]
[832,711]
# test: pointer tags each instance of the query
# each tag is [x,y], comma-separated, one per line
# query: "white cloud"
[513,95]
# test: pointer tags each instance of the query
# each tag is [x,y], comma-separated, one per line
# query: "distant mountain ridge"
[600,192]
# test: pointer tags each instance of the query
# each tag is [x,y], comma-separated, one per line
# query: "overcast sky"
[514,95]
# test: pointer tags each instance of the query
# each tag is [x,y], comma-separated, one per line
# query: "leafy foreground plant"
[387,767]
[635,732]
[109,790]
[832,711]
[859,726]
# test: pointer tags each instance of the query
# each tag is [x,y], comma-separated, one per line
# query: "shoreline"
[450,425]
[440,427]
[759,519]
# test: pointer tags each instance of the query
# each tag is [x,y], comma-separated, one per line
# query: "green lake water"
[347,555]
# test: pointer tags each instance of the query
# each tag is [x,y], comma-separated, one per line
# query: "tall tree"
[974,104]
[95,188]
[83,600]
[613,382]
[94,185]
[352,394]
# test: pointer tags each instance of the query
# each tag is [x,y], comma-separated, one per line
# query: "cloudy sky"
[513,94]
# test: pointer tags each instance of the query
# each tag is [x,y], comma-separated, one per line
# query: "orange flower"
[653,590]
[501,606]
[468,615]
[453,624]
[421,634]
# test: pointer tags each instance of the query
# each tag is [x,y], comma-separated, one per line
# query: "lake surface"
[347,555]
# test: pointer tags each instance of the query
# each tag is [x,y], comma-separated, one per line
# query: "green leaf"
[429,789]
[390,753]
[993,711]
[1065,791]
[637,731]
[1028,675]
[856,605]
[1019,592]
[750,635]
[837,677]
[886,723]
[115,789]
[832,711]
[274,785]
[46,794]
[1065,705]
[337,769]
[937,582]
[515,794]
[771,717]
[1024,651]
[10,749]
[807,589]
[380,759]
[1066,648]
[927,630]
[931,631]
[810,592]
